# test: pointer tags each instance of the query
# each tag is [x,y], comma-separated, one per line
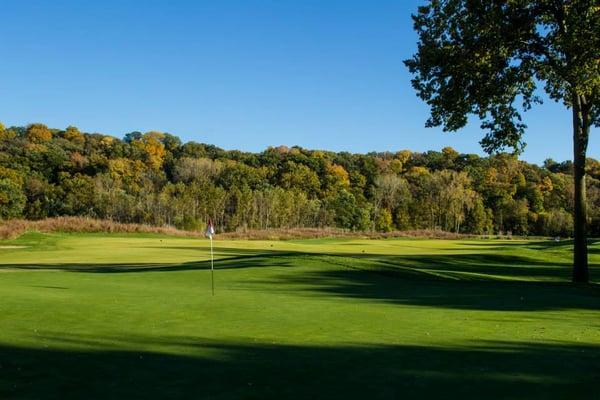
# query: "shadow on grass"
[233,262]
[463,281]
[484,263]
[467,266]
[439,267]
[493,295]
[207,369]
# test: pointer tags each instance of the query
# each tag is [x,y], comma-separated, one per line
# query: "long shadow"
[477,281]
[208,369]
[494,295]
[486,265]
[219,249]
[243,261]
[467,266]
[542,245]
[518,242]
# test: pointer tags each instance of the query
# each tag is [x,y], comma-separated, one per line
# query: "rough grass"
[131,316]
[12,229]
[319,233]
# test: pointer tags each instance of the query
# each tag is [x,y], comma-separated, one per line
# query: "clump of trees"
[156,179]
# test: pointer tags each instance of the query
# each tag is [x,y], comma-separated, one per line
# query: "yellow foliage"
[419,171]
[449,152]
[154,148]
[403,156]
[107,141]
[396,166]
[340,174]
[38,133]
[36,147]
[118,167]
[72,134]
[125,170]
[13,175]
[547,185]
[6,134]
[491,175]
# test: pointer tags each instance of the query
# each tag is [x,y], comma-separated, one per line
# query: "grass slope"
[131,316]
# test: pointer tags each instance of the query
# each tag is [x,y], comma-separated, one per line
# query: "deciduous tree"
[483,57]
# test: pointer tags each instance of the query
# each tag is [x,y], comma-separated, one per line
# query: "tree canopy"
[154,178]
[487,58]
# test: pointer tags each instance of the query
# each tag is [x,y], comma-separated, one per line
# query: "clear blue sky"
[239,74]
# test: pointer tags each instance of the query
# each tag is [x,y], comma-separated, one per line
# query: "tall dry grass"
[316,233]
[14,228]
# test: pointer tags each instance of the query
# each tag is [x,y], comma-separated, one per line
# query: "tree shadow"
[200,368]
[445,266]
[479,281]
[548,244]
[236,262]
[490,295]
[466,266]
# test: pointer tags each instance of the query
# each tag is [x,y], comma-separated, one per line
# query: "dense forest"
[156,179]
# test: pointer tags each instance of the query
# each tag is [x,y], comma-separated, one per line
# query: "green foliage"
[383,221]
[155,179]
[556,223]
[12,199]
[481,57]
[301,177]
[479,220]
[343,206]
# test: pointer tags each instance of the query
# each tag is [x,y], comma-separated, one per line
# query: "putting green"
[132,316]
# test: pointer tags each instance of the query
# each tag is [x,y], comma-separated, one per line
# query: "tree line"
[154,178]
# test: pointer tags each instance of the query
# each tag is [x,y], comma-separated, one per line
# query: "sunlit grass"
[132,315]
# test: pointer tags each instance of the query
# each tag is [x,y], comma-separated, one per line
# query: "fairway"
[132,316]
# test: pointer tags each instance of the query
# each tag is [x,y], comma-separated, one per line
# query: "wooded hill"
[154,178]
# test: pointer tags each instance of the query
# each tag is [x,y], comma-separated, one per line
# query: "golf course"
[133,316]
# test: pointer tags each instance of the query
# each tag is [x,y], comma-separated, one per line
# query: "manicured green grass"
[132,316]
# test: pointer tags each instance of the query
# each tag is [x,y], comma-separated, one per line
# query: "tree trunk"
[580,141]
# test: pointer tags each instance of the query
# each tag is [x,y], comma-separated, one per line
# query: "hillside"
[155,179]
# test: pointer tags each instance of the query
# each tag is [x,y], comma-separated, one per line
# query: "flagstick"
[212,267]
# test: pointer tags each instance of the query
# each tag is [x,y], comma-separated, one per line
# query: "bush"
[383,221]
[12,199]
[556,223]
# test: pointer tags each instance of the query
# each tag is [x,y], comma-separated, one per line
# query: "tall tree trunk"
[580,141]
